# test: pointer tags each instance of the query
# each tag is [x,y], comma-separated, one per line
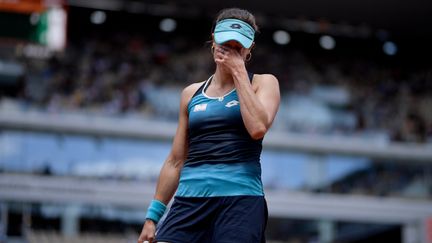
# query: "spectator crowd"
[131,74]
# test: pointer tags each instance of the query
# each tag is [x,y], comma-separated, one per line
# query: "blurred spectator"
[413,130]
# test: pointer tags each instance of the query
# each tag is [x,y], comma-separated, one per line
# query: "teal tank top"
[223,160]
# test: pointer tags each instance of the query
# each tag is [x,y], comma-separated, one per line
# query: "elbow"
[258,133]
[175,162]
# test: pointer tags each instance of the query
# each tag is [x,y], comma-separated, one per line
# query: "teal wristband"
[156,210]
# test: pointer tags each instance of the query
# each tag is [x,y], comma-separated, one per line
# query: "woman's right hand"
[148,232]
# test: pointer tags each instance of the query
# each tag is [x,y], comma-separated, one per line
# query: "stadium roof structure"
[401,18]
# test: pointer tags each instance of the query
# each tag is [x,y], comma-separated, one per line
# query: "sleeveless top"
[223,160]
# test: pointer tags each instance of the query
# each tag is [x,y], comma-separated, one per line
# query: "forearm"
[167,185]
[168,180]
[252,111]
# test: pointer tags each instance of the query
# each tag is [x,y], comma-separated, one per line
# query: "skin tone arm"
[260,101]
[170,172]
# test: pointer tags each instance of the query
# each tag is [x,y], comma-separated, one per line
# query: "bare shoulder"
[190,90]
[265,80]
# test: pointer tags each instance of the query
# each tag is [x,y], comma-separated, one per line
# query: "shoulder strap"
[201,88]
[250,76]
[204,84]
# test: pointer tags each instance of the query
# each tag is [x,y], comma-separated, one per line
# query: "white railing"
[137,194]
[142,128]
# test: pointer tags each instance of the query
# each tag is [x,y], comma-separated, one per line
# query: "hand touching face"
[230,55]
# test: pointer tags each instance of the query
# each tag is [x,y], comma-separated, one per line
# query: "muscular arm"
[258,108]
[258,102]
[170,172]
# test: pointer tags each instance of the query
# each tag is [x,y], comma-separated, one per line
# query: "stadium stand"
[128,76]
[387,179]
[357,97]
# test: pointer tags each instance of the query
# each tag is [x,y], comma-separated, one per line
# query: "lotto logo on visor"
[234,29]
[235,26]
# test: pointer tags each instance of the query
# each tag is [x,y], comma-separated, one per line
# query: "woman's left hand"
[229,58]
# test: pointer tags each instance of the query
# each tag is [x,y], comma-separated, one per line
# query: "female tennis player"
[214,165]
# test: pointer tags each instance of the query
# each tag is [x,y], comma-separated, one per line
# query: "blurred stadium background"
[89,94]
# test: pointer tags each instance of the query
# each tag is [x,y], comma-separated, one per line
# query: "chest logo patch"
[200,107]
[232,103]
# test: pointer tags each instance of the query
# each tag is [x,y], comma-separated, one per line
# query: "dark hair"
[237,13]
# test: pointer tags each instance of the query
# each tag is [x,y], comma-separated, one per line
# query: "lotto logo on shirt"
[200,107]
[232,103]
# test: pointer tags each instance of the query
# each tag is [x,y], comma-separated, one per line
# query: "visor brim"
[222,37]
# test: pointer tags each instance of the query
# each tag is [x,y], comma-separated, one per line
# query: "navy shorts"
[231,219]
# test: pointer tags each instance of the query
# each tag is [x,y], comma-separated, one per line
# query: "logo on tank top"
[232,103]
[200,107]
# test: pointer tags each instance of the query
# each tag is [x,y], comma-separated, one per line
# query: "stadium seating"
[320,95]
